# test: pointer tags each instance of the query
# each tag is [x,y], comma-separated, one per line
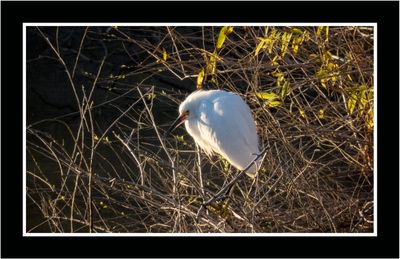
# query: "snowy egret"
[221,122]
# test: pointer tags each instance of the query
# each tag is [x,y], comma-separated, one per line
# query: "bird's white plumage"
[222,122]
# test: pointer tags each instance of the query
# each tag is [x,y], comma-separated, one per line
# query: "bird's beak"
[181,119]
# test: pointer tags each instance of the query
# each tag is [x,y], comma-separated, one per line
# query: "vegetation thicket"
[108,167]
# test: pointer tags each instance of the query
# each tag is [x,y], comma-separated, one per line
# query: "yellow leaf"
[200,79]
[212,64]
[225,164]
[259,46]
[272,99]
[291,108]
[329,55]
[223,33]
[285,89]
[363,98]
[229,30]
[274,62]
[267,95]
[326,33]
[351,103]
[164,54]
[221,39]
[151,96]
[106,140]
[370,118]
[360,96]
[370,94]
[272,38]
[321,114]
[285,42]
[297,31]
[302,113]
[181,139]
[273,104]
[319,30]
[295,48]
[296,43]
[268,42]
[306,36]
[278,74]
[351,79]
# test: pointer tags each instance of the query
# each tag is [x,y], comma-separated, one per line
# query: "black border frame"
[14,14]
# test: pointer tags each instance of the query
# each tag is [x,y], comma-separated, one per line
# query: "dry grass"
[108,168]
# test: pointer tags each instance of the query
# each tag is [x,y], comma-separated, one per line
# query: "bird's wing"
[248,120]
[237,117]
[228,125]
[206,128]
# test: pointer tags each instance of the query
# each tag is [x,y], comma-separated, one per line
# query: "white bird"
[221,122]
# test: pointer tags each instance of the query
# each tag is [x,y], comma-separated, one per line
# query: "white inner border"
[374,25]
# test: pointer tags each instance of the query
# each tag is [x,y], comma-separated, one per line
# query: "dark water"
[50,97]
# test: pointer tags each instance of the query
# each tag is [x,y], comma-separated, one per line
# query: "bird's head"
[187,111]
[180,120]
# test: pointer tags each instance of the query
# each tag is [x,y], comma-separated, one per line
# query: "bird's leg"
[233,181]
[224,190]
[226,182]
[228,187]
[229,191]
